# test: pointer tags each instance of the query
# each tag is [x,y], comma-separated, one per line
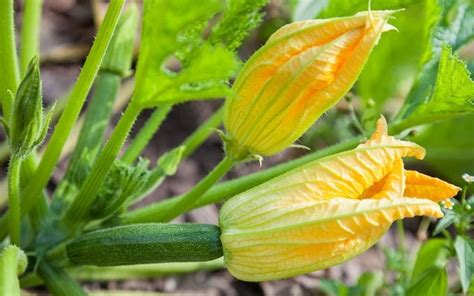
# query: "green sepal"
[170,161]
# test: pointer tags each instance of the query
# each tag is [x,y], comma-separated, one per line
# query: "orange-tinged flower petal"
[307,236]
[422,186]
[391,186]
[326,211]
[303,70]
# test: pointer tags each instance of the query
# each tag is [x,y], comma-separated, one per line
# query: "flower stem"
[73,107]
[14,213]
[146,133]
[189,199]
[9,76]
[30,32]
[80,206]
[225,190]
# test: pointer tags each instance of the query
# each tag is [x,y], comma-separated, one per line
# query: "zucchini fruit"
[146,243]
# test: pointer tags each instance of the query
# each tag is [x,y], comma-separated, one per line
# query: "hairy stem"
[14,215]
[146,133]
[80,207]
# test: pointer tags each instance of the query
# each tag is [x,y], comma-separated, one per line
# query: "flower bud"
[302,70]
[327,211]
[27,127]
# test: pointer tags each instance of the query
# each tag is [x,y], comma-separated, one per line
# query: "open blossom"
[302,70]
[327,211]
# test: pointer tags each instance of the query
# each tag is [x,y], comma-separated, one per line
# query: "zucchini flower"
[303,70]
[327,211]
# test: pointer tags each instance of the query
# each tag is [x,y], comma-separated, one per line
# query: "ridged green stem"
[9,75]
[71,112]
[80,207]
[30,32]
[157,212]
[146,133]
[14,216]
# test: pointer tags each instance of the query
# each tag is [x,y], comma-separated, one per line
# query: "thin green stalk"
[188,200]
[401,242]
[225,190]
[146,133]
[12,263]
[30,32]
[58,281]
[9,76]
[80,207]
[14,216]
[202,133]
[71,112]
[39,212]
[139,271]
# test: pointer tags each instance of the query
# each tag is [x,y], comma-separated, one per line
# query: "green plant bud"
[122,183]
[170,161]
[118,58]
[146,243]
[28,125]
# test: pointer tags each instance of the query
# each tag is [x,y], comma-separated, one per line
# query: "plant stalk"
[190,199]
[14,215]
[9,76]
[146,133]
[30,32]
[79,208]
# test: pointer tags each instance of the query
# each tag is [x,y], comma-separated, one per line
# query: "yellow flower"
[327,211]
[302,70]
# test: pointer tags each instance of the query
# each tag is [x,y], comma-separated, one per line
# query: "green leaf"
[451,94]
[450,24]
[465,257]
[433,254]
[449,218]
[371,283]
[177,27]
[240,17]
[434,282]
[449,145]
[205,77]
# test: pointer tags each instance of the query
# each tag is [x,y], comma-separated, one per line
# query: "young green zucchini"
[146,243]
